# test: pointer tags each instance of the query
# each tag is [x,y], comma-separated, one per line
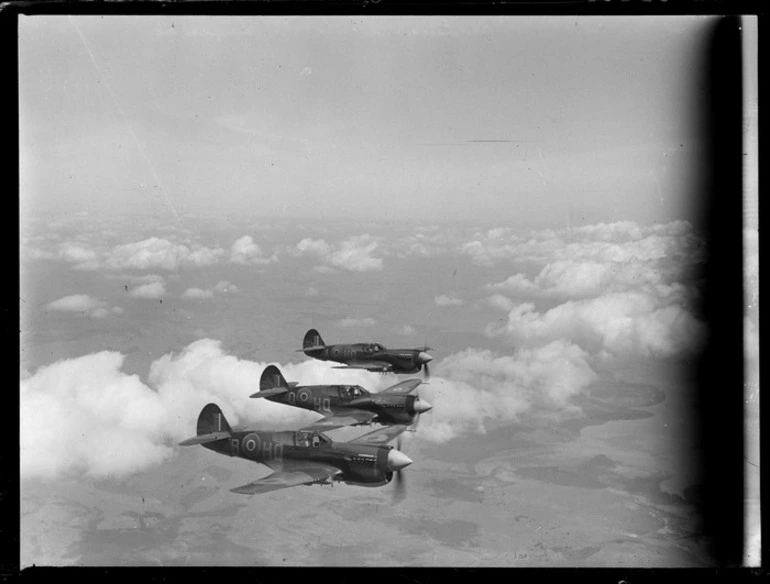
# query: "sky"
[519,193]
[546,119]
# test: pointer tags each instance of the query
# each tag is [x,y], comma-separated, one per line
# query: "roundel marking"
[303,395]
[251,443]
[335,351]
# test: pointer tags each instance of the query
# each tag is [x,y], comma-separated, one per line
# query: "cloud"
[622,324]
[86,416]
[353,254]
[350,322]
[151,291]
[197,293]
[245,251]
[406,330]
[83,257]
[84,304]
[311,291]
[445,300]
[473,386]
[225,287]
[500,302]
[623,290]
[309,246]
[619,242]
[158,253]
[222,287]
[305,72]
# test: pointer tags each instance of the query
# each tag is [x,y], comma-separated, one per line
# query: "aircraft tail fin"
[272,379]
[212,426]
[312,342]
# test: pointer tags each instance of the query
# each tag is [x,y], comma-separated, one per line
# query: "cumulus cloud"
[350,322]
[500,302]
[84,304]
[311,291]
[444,300]
[84,258]
[622,324]
[245,251]
[197,293]
[225,287]
[473,386]
[159,253]
[624,289]
[86,416]
[353,254]
[308,246]
[222,287]
[150,291]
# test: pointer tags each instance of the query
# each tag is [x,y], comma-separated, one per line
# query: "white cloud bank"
[161,254]
[244,251]
[444,300]
[86,416]
[85,305]
[222,287]
[149,291]
[621,324]
[624,290]
[353,254]
[156,253]
[476,385]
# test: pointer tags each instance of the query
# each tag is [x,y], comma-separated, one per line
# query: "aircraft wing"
[380,366]
[404,387]
[381,435]
[300,474]
[349,418]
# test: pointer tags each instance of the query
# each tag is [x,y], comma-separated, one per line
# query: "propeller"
[423,358]
[399,483]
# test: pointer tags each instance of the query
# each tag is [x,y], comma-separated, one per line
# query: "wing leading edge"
[304,474]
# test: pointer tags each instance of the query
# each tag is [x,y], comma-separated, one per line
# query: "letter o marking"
[251,443]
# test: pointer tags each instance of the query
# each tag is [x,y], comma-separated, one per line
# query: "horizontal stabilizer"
[311,349]
[205,438]
[269,392]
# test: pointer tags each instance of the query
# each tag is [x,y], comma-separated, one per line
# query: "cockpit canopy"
[373,348]
[352,391]
[309,439]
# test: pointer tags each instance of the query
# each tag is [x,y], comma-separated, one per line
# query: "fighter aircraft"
[345,405]
[369,356]
[305,457]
